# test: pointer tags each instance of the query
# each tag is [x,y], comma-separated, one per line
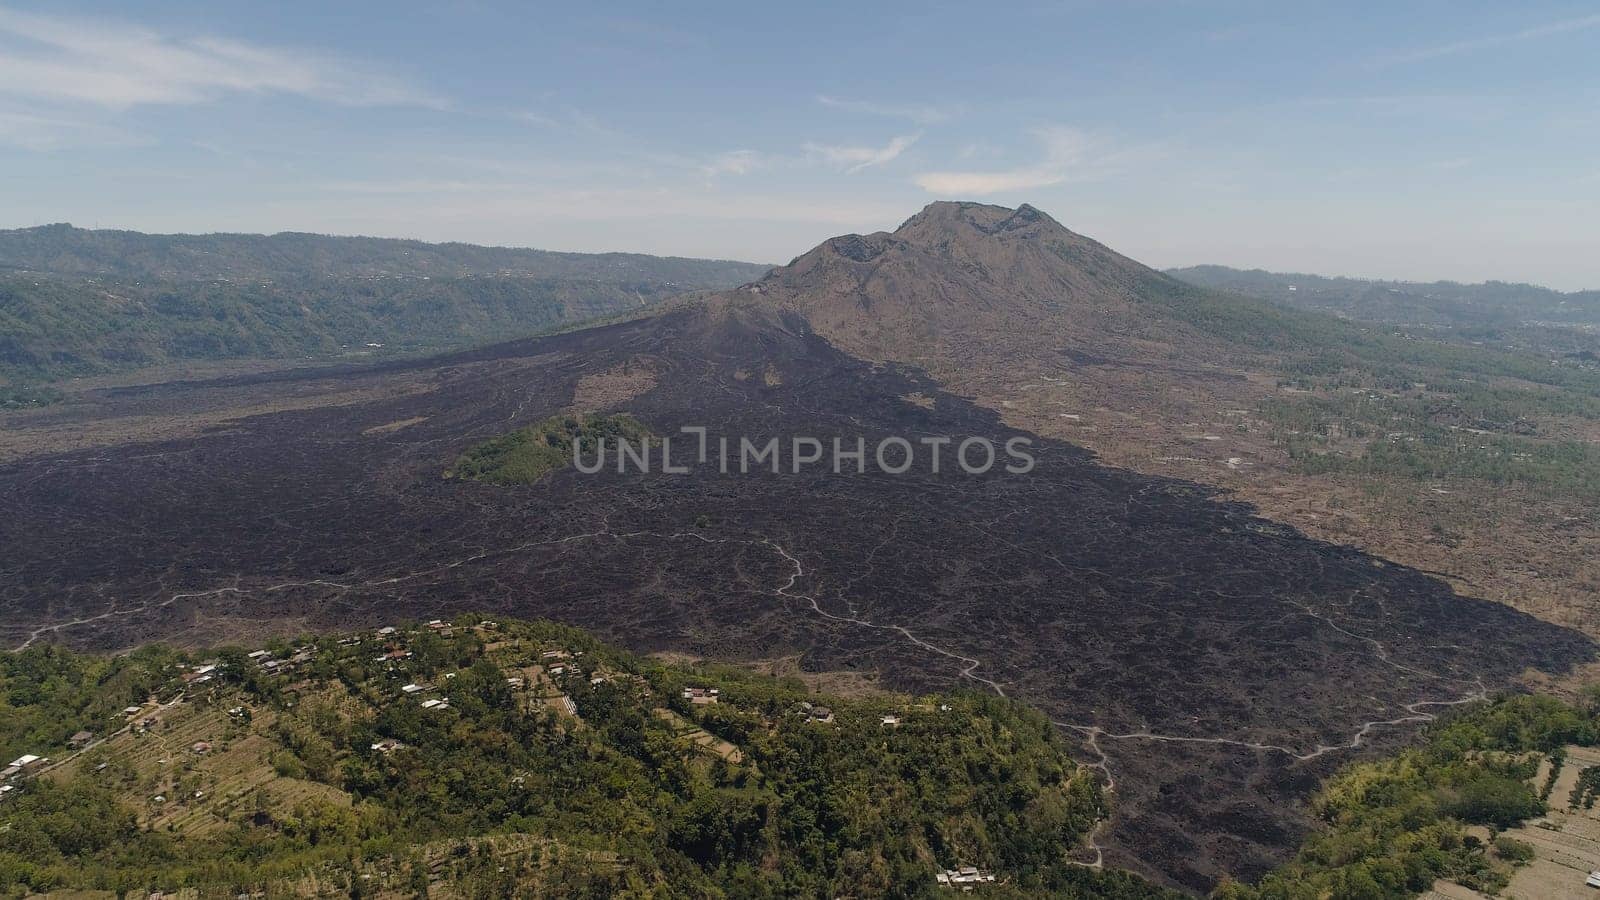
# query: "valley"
[1211,659]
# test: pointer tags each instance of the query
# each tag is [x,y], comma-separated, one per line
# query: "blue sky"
[1412,140]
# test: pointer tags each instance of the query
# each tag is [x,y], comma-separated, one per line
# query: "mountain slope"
[76,302]
[1440,303]
[66,250]
[962,276]
[547,764]
[1214,662]
[1393,440]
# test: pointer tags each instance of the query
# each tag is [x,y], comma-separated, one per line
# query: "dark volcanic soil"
[1213,648]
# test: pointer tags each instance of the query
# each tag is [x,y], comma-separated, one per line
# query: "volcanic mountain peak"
[943,221]
[958,272]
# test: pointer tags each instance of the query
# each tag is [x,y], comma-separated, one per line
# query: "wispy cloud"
[921,114]
[854,159]
[1548,29]
[569,119]
[30,131]
[1070,154]
[733,162]
[46,57]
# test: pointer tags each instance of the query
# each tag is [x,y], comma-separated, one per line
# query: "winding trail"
[969,666]
[1093,733]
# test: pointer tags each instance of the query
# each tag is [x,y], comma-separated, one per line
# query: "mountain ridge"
[65,249]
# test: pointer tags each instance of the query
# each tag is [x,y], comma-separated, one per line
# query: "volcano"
[1214,664]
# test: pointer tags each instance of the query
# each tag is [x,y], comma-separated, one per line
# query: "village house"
[412,689]
[891,720]
[515,683]
[132,711]
[436,704]
[10,772]
[387,631]
[701,695]
[27,763]
[387,746]
[80,740]
[964,877]
[200,747]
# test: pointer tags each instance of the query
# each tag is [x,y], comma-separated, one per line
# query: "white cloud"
[921,114]
[854,159]
[1070,154]
[1549,29]
[57,58]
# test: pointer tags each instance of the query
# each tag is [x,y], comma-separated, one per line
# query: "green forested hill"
[1390,828]
[76,302]
[135,255]
[484,759]
[1439,303]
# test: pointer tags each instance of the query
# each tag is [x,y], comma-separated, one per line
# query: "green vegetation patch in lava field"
[528,454]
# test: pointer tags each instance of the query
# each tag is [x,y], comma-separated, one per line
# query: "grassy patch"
[528,454]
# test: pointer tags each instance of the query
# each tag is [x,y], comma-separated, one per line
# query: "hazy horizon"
[1422,142]
[782,262]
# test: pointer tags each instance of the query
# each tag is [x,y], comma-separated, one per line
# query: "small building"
[1594,879]
[387,746]
[437,625]
[891,720]
[436,704]
[387,630]
[964,877]
[6,790]
[702,695]
[80,740]
[200,747]
[132,711]
[515,683]
[558,670]
[258,655]
[28,762]
[413,689]
[820,714]
[10,772]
